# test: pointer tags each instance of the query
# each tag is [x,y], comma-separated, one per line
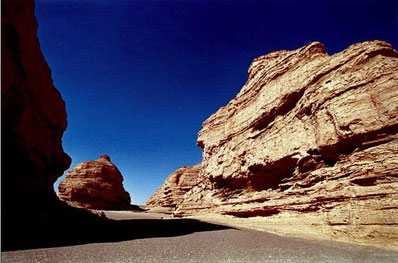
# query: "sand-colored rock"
[172,192]
[95,185]
[308,136]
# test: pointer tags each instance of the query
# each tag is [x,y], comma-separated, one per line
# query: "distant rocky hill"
[310,137]
[172,192]
[96,185]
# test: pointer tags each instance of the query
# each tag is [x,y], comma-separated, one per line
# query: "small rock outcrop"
[172,192]
[95,185]
[310,137]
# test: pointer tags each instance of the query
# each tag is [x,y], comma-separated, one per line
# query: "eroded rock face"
[33,121]
[308,134]
[172,192]
[95,185]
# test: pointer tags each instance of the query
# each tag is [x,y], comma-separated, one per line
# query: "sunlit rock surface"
[309,136]
[172,192]
[96,185]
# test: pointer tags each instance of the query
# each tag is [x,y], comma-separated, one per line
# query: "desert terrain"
[300,166]
[206,242]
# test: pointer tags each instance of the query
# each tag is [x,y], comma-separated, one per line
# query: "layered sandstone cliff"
[95,185]
[309,136]
[172,192]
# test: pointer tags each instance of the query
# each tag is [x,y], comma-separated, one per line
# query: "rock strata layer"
[172,192]
[95,185]
[308,136]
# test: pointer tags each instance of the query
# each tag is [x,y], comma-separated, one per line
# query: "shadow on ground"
[71,229]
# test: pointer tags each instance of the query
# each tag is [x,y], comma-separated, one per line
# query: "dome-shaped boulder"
[95,185]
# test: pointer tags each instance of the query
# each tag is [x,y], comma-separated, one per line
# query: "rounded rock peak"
[105,157]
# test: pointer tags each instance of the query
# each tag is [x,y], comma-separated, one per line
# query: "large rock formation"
[95,185]
[33,112]
[33,121]
[172,192]
[308,135]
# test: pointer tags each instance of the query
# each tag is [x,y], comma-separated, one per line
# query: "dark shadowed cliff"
[33,121]
[33,117]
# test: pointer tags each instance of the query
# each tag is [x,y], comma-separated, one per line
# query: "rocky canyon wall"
[33,114]
[311,137]
[33,121]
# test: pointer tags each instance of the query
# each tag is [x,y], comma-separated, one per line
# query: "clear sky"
[139,77]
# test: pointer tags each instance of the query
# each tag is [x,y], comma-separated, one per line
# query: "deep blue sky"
[139,77]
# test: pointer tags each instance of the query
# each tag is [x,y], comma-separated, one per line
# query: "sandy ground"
[225,245]
[126,215]
[306,228]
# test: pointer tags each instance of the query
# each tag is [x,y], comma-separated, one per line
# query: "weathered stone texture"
[308,133]
[33,121]
[95,185]
[172,192]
